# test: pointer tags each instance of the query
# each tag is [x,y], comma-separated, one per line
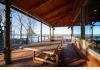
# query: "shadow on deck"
[71,56]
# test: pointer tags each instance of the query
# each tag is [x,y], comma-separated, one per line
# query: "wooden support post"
[82,23]
[7,50]
[92,37]
[38,38]
[72,32]
[27,39]
[82,19]
[92,32]
[53,32]
[41,31]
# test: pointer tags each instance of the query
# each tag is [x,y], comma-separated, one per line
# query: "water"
[46,37]
[16,41]
[38,38]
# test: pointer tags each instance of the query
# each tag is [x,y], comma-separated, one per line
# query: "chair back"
[57,49]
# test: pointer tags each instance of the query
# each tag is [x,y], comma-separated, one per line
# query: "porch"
[75,51]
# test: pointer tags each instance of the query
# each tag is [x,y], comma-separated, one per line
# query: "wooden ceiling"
[52,12]
[94,10]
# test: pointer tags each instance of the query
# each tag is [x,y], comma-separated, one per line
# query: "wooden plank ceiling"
[52,12]
[94,10]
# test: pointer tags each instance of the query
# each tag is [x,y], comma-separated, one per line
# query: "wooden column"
[38,38]
[82,22]
[7,50]
[72,34]
[53,32]
[84,18]
[92,32]
[41,31]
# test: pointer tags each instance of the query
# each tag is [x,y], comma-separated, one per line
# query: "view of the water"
[37,38]
[16,41]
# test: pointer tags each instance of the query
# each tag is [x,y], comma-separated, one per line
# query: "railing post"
[38,38]
[44,38]
[7,50]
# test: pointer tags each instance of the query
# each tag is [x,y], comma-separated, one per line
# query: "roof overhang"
[54,13]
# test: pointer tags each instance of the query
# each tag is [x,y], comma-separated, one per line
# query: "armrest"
[32,49]
[49,52]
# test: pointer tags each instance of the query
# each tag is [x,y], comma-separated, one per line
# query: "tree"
[25,22]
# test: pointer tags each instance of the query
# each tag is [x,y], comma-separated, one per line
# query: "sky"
[35,25]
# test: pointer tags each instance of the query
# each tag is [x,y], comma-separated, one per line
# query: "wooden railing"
[16,41]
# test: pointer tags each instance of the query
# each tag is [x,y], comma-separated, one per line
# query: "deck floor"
[68,55]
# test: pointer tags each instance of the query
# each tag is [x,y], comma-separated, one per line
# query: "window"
[77,31]
[93,36]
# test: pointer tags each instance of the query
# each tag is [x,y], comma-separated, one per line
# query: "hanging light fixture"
[95,10]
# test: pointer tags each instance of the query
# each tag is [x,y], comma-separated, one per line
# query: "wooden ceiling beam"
[59,18]
[31,14]
[57,15]
[34,6]
[67,18]
[61,7]
[78,9]
[67,12]
[75,5]
[64,19]
[78,4]
[54,15]
[61,24]
[58,10]
[53,19]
